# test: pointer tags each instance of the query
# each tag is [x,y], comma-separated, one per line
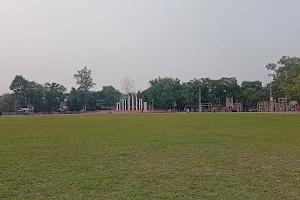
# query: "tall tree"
[19,86]
[212,91]
[166,93]
[94,97]
[54,94]
[37,97]
[284,73]
[127,85]
[191,93]
[7,102]
[85,81]
[252,93]
[111,96]
[76,99]
[256,85]
[55,87]
[293,91]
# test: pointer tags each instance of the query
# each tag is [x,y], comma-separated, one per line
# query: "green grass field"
[182,156]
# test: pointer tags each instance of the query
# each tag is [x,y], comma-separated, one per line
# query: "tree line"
[163,92]
[50,97]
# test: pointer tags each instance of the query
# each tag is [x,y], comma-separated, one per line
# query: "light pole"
[16,107]
[270,75]
[270,89]
[225,97]
[271,98]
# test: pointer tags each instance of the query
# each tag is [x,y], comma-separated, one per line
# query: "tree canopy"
[162,93]
[284,75]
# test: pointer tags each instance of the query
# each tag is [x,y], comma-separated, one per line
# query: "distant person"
[0,114]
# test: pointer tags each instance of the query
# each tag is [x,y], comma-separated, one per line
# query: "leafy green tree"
[19,86]
[212,91]
[55,95]
[251,97]
[76,99]
[37,97]
[293,91]
[252,93]
[111,96]
[284,73]
[191,94]
[166,93]
[85,81]
[56,87]
[231,88]
[7,102]
[94,98]
[256,85]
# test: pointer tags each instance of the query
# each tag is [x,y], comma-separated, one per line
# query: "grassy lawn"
[183,156]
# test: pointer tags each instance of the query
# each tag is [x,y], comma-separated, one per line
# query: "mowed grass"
[180,156]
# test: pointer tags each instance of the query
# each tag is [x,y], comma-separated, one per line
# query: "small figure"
[213,110]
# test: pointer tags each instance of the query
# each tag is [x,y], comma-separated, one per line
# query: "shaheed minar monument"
[131,102]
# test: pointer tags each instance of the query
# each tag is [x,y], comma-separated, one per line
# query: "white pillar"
[145,106]
[132,101]
[140,104]
[136,103]
[124,104]
[128,103]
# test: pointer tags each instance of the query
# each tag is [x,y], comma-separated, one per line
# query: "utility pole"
[200,99]
[271,75]
[271,98]
[270,89]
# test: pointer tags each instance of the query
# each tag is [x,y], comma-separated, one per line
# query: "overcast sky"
[48,40]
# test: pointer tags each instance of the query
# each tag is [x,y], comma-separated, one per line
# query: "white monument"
[118,106]
[131,102]
[128,102]
[124,104]
[140,104]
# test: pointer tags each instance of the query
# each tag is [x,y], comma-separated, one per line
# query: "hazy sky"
[48,40]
